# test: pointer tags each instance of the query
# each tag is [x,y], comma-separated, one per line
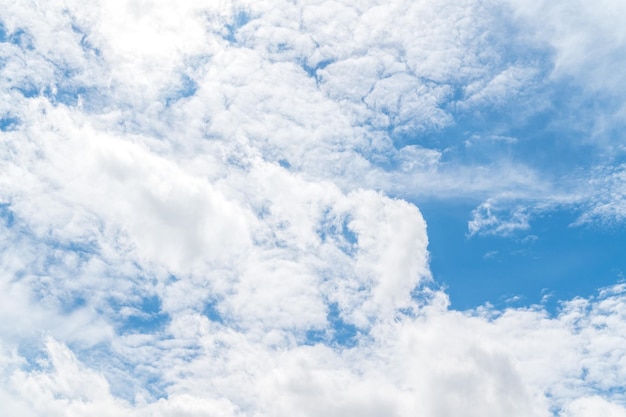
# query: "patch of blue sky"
[70,94]
[312,70]
[84,40]
[22,39]
[340,333]
[240,19]
[28,90]
[338,230]
[614,391]
[35,356]
[315,336]
[147,317]
[551,261]
[564,134]
[9,123]
[558,157]
[7,215]
[72,303]
[212,312]
[83,249]
[343,333]
[186,88]
[3,32]
[423,294]
[65,93]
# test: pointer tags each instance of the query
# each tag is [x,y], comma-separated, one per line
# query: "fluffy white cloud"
[436,363]
[196,216]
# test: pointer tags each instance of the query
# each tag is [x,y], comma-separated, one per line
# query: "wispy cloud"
[488,220]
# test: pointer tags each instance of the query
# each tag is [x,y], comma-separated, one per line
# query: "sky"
[323,208]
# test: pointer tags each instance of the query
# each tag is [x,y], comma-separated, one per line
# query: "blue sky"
[248,208]
[553,255]
[552,259]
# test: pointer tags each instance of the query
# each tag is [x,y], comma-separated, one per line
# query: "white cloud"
[586,38]
[607,201]
[436,364]
[196,202]
[591,406]
[501,89]
[487,219]
[585,42]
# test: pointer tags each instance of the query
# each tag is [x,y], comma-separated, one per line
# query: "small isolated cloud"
[492,254]
[488,219]
[491,138]
[513,299]
[530,239]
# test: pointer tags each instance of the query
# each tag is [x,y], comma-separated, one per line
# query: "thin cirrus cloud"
[208,209]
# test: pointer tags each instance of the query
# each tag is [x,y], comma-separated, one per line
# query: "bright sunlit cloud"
[242,208]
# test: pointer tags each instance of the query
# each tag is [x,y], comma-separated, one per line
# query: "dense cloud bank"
[206,206]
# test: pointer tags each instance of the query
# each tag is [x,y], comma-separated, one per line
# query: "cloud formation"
[206,209]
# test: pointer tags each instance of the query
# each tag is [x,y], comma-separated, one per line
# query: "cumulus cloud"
[206,210]
[436,363]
